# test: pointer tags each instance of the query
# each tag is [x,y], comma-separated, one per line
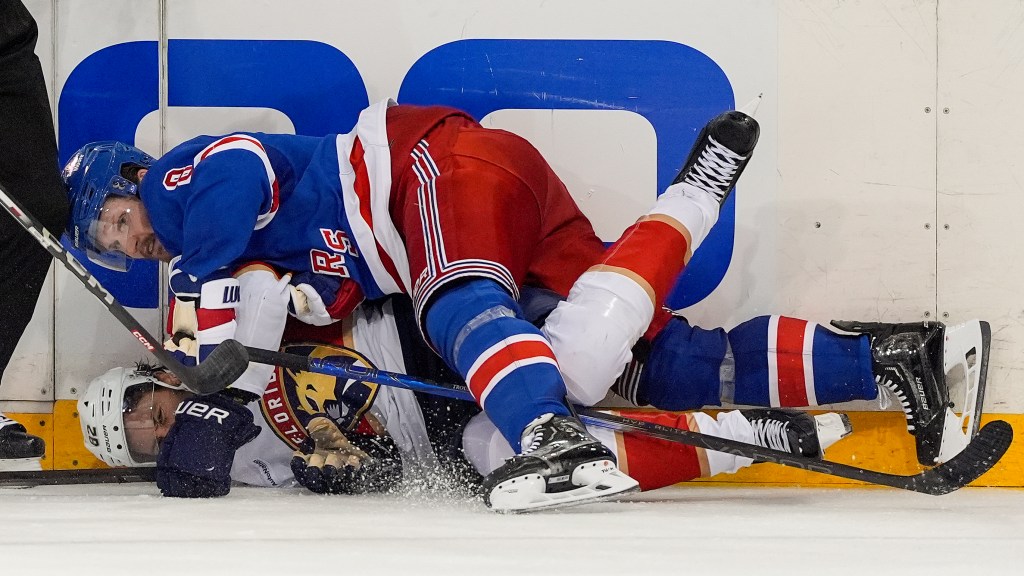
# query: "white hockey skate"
[561,465]
[906,364]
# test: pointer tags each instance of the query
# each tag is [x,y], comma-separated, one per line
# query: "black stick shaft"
[59,477]
[220,369]
[982,453]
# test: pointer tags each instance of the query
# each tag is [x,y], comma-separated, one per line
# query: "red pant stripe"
[789,356]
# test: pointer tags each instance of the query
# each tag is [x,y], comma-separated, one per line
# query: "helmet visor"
[140,425]
[110,229]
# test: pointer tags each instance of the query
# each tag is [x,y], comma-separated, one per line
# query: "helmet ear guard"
[93,174]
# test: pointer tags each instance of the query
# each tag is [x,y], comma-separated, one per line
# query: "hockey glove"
[195,457]
[336,464]
[202,314]
[320,300]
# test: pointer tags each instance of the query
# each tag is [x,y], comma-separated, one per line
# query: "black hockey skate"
[720,154]
[908,361]
[19,450]
[797,432]
[561,465]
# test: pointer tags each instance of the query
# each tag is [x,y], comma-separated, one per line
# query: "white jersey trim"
[371,131]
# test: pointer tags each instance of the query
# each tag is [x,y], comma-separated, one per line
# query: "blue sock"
[779,361]
[508,364]
[782,361]
[682,370]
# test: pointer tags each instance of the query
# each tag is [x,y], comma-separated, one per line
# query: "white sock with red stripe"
[656,463]
[593,331]
[613,304]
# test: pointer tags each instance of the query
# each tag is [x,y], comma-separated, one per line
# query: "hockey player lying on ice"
[396,434]
[424,202]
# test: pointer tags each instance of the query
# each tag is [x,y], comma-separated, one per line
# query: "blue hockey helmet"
[93,174]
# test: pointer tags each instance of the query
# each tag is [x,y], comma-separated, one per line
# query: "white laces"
[771,434]
[714,170]
[534,444]
[533,436]
[889,383]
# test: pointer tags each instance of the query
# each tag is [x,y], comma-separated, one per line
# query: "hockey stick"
[60,477]
[222,367]
[978,457]
[984,450]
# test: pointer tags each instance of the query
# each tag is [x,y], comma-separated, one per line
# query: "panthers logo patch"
[295,397]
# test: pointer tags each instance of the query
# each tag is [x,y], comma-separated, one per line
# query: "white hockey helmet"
[101,411]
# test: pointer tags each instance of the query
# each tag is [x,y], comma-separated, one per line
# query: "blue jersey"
[219,201]
[223,201]
[473,215]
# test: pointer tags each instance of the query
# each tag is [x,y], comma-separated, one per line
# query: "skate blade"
[965,360]
[528,493]
[832,427]
[20,464]
[750,108]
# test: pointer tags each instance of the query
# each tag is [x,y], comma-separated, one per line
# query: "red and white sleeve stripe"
[251,144]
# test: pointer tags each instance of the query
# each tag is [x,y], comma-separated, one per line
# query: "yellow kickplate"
[879,442]
[69,451]
[40,425]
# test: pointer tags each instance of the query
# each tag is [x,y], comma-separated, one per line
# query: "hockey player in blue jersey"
[356,438]
[415,200]
[422,201]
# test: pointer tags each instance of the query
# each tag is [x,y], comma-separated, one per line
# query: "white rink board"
[841,214]
[981,181]
[129,529]
[89,341]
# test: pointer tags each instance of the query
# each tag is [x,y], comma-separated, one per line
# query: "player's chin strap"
[983,451]
[222,367]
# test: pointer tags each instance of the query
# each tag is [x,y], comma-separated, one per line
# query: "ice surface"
[130,529]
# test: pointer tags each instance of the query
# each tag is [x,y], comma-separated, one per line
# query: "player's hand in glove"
[202,313]
[320,300]
[196,455]
[353,464]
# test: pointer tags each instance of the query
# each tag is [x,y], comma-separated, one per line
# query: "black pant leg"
[28,172]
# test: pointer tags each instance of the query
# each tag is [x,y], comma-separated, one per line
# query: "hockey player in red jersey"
[459,277]
[428,204]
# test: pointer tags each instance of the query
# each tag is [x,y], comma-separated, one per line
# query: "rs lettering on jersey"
[332,262]
[327,263]
[177,177]
[338,241]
